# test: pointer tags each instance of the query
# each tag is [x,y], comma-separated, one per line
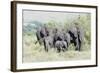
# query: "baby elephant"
[61,45]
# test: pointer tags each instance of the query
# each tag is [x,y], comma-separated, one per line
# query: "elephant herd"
[60,39]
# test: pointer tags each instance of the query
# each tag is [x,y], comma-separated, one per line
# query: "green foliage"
[51,24]
[85,21]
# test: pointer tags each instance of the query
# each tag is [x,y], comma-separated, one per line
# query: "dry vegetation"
[35,53]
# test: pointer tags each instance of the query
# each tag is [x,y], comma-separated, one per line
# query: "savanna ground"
[35,53]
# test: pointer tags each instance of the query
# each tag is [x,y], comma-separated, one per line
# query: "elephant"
[41,33]
[77,34]
[80,32]
[61,45]
[48,43]
[57,40]
[67,38]
[57,36]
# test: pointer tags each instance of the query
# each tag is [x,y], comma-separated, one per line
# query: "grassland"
[35,53]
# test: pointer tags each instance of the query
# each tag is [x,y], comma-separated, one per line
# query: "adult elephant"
[77,35]
[48,43]
[41,33]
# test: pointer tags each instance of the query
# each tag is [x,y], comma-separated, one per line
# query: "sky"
[45,16]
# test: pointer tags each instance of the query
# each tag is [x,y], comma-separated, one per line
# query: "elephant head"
[41,33]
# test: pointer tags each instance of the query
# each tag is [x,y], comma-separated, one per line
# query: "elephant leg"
[76,43]
[63,49]
[66,46]
[40,41]
[79,43]
[79,46]
[45,46]
[58,49]
[51,44]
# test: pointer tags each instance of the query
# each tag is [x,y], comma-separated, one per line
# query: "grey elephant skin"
[48,43]
[77,35]
[57,38]
[61,45]
[41,33]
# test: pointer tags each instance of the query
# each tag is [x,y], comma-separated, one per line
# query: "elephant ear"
[73,30]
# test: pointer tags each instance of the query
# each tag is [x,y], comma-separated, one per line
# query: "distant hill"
[31,26]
